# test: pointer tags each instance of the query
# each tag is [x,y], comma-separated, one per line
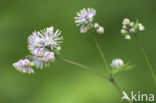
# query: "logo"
[138,97]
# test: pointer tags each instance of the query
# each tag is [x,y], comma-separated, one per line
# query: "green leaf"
[125,67]
[136,24]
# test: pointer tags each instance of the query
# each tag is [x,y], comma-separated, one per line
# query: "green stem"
[98,47]
[82,66]
[111,79]
[147,60]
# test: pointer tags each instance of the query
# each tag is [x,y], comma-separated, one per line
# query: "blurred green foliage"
[65,83]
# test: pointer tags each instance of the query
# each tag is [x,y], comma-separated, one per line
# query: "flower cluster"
[85,19]
[130,27]
[43,45]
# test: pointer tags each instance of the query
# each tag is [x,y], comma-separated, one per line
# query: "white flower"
[96,25]
[44,39]
[141,27]
[126,21]
[132,30]
[128,37]
[132,24]
[85,16]
[117,63]
[123,31]
[50,38]
[49,56]
[34,41]
[100,30]
[24,66]
[39,63]
[83,29]
[39,52]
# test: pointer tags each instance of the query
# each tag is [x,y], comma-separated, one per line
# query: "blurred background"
[65,83]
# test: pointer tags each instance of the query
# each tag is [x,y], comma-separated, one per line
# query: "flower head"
[42,45]
[129,27]
[46,38]
[117,63]
[85,19]
[49,56]
[85,16]
[24,65]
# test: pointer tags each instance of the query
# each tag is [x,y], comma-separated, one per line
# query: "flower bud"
[123,31]
[117,63]
[132,24]
[83,29]
[124,26]
[58,48]
[128,37]
[141,27]
[126,21]
[96,25]
[132,30]
[49,56]
[100,30]
[39,52]
[26,62]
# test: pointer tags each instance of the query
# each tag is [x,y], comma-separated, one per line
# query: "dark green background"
[65,83]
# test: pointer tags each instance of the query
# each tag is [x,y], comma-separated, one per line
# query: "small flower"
[83,29]
[129,28]
[132,30]
[100,30]
[141,27]
[34,41]
[24,66]
[117,63]
[96,25]
[50,38]
[132,24]
[123,31]
[39,52]
[85,16]
[126,21]
[49,56]
[124,26]
[39,63]
[128,37]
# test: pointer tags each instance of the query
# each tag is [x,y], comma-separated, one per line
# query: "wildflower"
[126,21]
[83,29]
[96,25]
[39,52]
[100,30]
[24,66]
[85,19]
[129,27]
[117,63]
[50,38]
[127,37]
[141,27]
[132,24]
[85,16]
[42,45]
[34,41]
[132,30]
[49,56]
[39,63]
[123,31]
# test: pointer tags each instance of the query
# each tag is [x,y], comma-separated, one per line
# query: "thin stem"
[98,47]
[146,59]
[111,79]
[82,66]
[115,85]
